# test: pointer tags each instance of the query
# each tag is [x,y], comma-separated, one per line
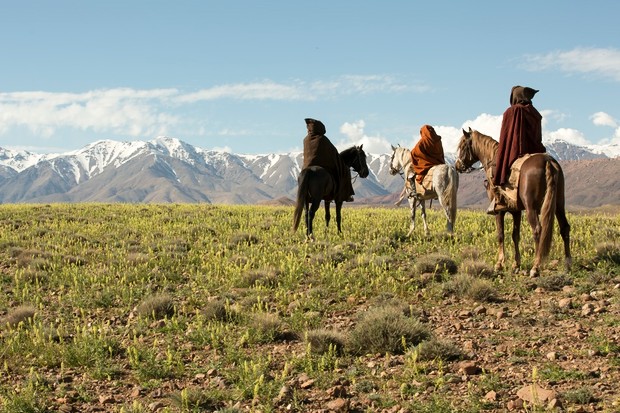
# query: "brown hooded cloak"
[319,151]
[521,132]
[427,153]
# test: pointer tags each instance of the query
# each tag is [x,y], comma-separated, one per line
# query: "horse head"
[465,157]
[395,161]
[359,162]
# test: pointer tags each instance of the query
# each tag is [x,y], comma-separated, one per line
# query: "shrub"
[438,349]
[156,306]
[435,263]
[386,330]
[322,339]
[22,314]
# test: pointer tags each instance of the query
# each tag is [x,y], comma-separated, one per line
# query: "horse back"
[533,181]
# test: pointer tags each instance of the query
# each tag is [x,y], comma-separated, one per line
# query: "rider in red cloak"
[521,134]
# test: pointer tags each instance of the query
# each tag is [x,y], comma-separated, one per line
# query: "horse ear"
[362,146]
[393,147]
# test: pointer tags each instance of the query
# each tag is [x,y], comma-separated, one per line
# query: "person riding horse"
[521,134]
[319,151]
[428,152]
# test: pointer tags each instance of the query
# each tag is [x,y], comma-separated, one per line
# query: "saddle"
[509,192]
[420,188]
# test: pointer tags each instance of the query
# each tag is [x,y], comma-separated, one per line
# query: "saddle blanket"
[511,189]
[425,186]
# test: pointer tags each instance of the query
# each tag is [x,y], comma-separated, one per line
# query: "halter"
[359,161]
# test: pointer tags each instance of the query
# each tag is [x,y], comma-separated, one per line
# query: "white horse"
[445,186]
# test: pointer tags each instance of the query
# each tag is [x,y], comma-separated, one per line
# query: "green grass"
[204,307]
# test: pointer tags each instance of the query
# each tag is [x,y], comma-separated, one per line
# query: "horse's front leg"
[516,238]
[328,215]
[423,204]
[401,196]
[499,224]
[412,205]
[339,215]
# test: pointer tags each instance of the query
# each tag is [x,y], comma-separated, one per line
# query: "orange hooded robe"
[428,152]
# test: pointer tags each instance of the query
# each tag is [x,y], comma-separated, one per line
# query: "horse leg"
[423,203]
[499,224]
[401,196]
[311,212]
[565,233]
[338,215]
[516,238]
[532,218]
[328,215]
[412,205]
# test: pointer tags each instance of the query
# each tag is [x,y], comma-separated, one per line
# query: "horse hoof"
[534,273]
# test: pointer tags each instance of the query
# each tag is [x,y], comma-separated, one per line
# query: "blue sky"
[243,75]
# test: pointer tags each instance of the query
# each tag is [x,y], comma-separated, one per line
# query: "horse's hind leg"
[339,216]
[565,233]
[423,204]
[412,205]
[532,218]
[310,218]
[328,215]
[516,238]
[499,224]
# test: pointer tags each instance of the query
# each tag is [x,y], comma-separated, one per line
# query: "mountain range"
[168,170]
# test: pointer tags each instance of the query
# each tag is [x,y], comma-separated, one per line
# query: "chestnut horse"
[540,193]
[317,184]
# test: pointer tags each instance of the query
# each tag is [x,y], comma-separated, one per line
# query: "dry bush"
[268,327]
[477,268]
[608,251]
[243,239]
[435,263]
[386,330]
[220,310]
[322,339]
[22,314]
[156,307]
[438,349]
[553,282]
[264,277]
[467,286]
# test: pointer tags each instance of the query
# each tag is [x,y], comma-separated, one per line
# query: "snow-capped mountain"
[169,170]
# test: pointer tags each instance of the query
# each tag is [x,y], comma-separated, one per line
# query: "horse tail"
[547,210]
[449,192]
[302,194]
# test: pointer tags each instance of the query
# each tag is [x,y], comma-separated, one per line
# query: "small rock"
[491,396]
[552,355]
[156,406]
[463,314]
[65,408]
[536,395]
[480,310]
[565,303]
[554,404]
[106,399]
[469,368]
[338,391]
[587,309]
[337,405]
[307,384]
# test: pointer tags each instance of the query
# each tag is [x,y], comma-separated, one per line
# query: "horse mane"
[484,145]
[348,154]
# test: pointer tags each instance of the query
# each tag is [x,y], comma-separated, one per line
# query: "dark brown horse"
[316,184]
[540,194]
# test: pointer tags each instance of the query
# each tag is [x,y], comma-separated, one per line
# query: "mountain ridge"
[167,169]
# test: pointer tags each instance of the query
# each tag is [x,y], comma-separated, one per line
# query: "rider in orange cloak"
[428,152]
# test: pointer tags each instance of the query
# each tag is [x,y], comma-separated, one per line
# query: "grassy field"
[183,308]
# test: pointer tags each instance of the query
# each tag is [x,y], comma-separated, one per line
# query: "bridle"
[360,164]
[394,171]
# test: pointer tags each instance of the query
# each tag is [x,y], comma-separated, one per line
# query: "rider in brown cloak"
[428,152]
[521,134]
[319,151]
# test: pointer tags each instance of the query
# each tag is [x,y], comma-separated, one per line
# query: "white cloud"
[566,134]
[603,119]
[601,61]
[123,111]
[356,136]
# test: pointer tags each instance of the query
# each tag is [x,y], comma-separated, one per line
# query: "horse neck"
[485,148]
[405,159]
[348,156]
